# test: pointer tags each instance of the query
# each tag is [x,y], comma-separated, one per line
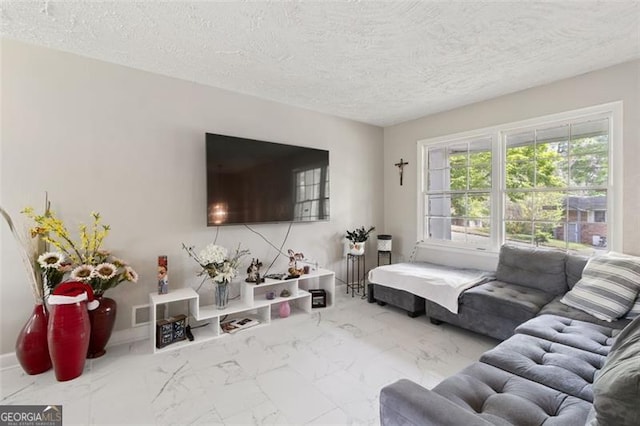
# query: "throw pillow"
[608,287]
[615,389]
[635,309]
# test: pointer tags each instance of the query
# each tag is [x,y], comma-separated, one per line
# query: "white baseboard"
[8,360]
[128,335]
[119,337]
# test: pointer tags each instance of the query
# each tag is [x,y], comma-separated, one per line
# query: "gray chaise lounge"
[554,371]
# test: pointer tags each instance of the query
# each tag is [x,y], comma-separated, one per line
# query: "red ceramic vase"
[32,350]
[68,337]
[102,321]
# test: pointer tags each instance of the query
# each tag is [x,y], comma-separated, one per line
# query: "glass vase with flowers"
[217,266]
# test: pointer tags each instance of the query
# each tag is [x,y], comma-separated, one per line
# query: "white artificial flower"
[130,274]
[82,273]
[225,274]
[213,254]
[104,271]
[50,260]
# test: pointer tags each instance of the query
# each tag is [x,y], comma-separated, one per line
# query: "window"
[312,194]
[458,194]
[544,182]
[599,216]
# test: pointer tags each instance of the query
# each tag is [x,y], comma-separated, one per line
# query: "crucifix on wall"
[400,166]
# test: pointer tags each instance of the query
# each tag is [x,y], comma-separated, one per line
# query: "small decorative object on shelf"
[285,293]
[285,309]
[294,258]
[356,240]
[276,276]
[235,325]
[254,272]
[163,275]
[318,298]
[171,330]
[270,295]
[218,267]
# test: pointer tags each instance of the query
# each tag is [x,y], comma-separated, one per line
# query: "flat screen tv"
[253,181]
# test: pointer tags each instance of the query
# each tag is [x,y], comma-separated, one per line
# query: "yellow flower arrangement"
[86,261]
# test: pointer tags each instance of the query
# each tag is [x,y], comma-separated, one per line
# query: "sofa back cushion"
[573,268]
[616,389]
[542,269]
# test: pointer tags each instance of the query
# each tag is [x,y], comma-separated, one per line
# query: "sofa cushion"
[608,287]
[555,365]
[507,300]
[503,398]
[617,387]
[578,334]
[573,268]
[555,307]
[542,269]
[406,403]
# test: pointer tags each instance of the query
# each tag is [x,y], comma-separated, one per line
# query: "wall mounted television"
[254,181]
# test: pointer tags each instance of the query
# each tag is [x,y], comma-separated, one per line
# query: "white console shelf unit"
[253,302]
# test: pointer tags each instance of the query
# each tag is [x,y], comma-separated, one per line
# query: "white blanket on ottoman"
[440,284]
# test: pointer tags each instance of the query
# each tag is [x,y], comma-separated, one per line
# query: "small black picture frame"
[318,298]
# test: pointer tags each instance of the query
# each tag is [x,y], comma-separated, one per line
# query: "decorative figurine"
[293,263]
[163,275]
[254,272]
[285,293]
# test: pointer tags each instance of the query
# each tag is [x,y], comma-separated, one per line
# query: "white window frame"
[323,194]
[613,111]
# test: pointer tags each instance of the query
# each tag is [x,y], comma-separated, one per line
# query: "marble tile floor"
[325,368]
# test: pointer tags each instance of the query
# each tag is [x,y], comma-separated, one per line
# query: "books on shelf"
[237,324]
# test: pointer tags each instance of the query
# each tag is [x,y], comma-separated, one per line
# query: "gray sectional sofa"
[529,282]
[557,366]
[553,371]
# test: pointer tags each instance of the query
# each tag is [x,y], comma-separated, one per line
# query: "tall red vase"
[102,320]
[68,337]
[32,349]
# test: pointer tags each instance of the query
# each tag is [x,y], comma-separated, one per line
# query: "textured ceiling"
[376,62]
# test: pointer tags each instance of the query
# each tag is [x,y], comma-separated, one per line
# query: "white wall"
[130,145]
[621,82]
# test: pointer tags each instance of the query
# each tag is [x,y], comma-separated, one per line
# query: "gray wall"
[621,82]
[130,145]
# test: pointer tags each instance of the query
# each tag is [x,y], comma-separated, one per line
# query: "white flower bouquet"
[216,263]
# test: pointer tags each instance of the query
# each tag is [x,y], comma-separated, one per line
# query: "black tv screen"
[252,181]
